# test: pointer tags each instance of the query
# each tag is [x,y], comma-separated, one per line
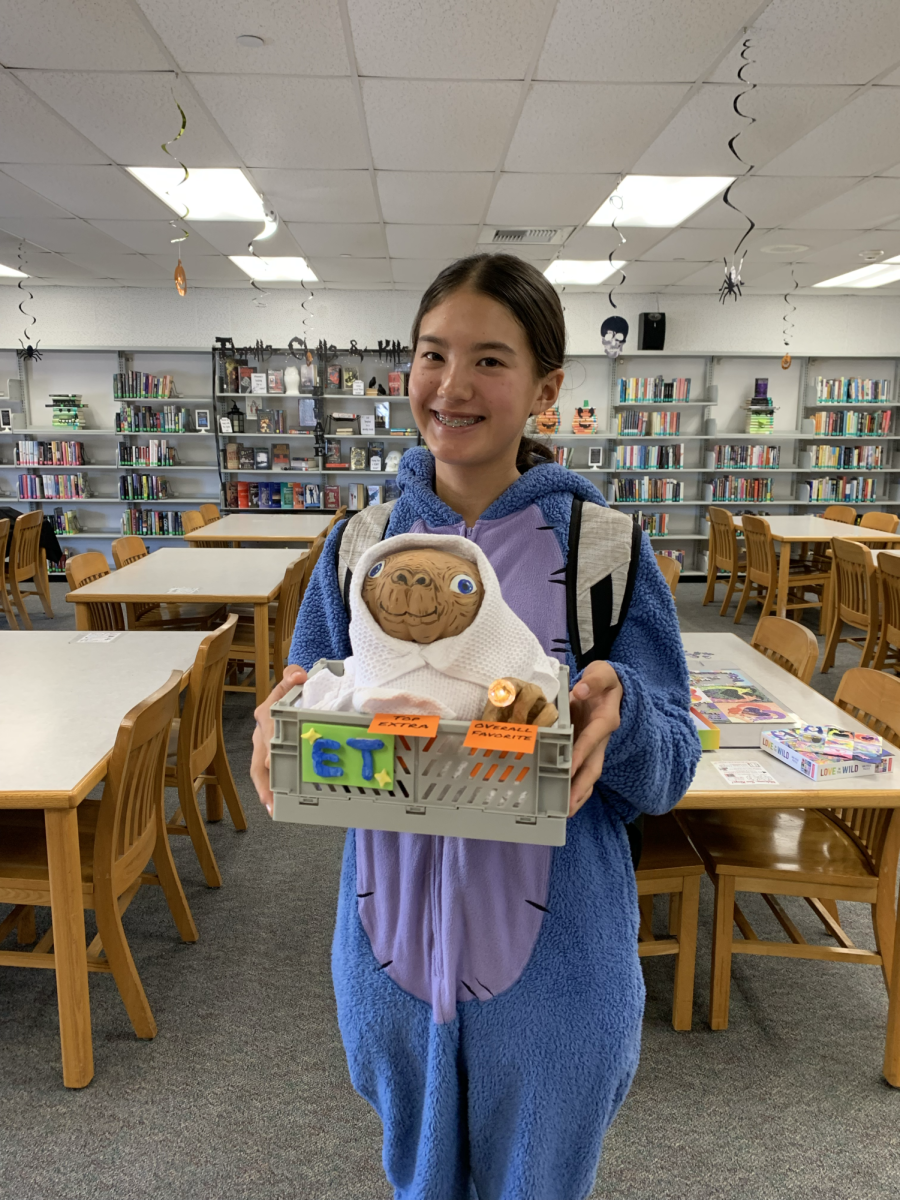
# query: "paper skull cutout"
[613,334]
[423,595]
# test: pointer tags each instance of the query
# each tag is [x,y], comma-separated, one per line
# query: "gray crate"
[440,787]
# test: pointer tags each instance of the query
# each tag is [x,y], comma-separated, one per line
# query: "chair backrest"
[209,513]
[4,538]
[855,590]
[671,570]
[85,568]
[191,520]
[338,516]
[127,550]
[886,522]
[889,570]
[131,808]
[25,554]
[787,643]
[840,512]
[201,717]
[292,588]
[723,538]
[760,548]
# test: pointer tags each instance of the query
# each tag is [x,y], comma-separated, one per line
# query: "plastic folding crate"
[433,785]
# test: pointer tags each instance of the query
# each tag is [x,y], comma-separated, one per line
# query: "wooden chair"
[821,855]
[789,644]
[281,630]
[762,573]
[889,646]
[840,512]
[670,866]
[210,513]
[191,520]
[338,516]
[27,561]
[671,570]
[188,617]
[855,600]
[4,595]
[118,835]
[197,752]
[886,522]
[724,555]
[85,568]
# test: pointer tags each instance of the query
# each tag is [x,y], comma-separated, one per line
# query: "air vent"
[550,236]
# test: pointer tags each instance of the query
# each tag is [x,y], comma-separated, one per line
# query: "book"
[374,493]
[254,495]
[350,377]
[281,455]
[376,456]
[266,421]
[332,452]
[395,383]
[264,494]
[258,383]
[246,378]
[298,463]
[232,457]
[297,489]
[231,495]
[246,459]
[335,379]
[307,376]
[311,495]
[358,458]
[287,496]
[707,732]
[331,496]
[740,708]
[356,498]
[275,381]
[367,424]
[243,488]
[263,462]
[820,753]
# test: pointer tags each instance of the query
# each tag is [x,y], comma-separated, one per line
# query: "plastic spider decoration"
[30,351]
[731,284]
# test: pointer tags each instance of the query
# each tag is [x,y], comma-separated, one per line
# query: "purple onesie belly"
[455,919]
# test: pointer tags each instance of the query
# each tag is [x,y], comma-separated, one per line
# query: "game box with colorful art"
[739,708]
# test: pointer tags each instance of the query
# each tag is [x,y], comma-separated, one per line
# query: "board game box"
[739,708]
[824,753]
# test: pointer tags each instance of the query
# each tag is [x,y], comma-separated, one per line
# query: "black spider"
[30,351]
[731,284]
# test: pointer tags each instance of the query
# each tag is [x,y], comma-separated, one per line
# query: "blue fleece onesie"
[490,995]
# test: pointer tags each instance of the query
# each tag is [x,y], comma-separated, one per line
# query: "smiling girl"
[489,994]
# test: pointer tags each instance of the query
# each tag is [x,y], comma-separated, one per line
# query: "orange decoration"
[548,421]
[405,725]
[502,692]
[180,279]
[785,362]
[497,735]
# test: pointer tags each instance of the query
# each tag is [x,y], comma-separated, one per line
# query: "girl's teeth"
[456,422]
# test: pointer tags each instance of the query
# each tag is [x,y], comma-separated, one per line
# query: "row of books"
[68,412]
[649,458]
[660,491]
[137,385]
[759,421]
[140,418]
[64,522]
[748,458]
[144,487]
[648,424]
[678,555]
[52,487]
[655,388]
[563,455]
[152,522]
[30,453]
[157,453]
[852,388]
[244,494]
[861,490]
[738,487]
[654,524]
[845,458]
[852,424]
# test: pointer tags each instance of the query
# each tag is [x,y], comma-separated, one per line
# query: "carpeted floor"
[244,1094]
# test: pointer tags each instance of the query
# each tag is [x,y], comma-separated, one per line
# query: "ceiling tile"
[464,40]
[539,254]
[299,39]
[431,241]
[548,199]
[871,203]
[695,142]
[17,200]
[88,35]
[233,237]
[861,139]
[111,265]
[29,133]
[65,235]
[589,127]
[418,270]
[130,115]
[819,41]
[54,268]
[280,121]
[622,40]
[657,274]
[770,201]
[847,252]
[202,268]
[319,196]
[691,245]
[91,191]
[815,239]
[426,197]
[438,126]
[346,270]
[151,237]
[596,242]
[331,241]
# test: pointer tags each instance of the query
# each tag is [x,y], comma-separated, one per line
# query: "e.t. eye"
[376,570]
[464,584]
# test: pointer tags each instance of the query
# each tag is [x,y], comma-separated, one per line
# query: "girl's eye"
[376,570]
[432,356]
[490,362]
[463,584]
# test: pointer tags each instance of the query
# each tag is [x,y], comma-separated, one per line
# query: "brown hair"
[529,297]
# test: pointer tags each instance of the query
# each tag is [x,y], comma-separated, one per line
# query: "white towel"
[451,676]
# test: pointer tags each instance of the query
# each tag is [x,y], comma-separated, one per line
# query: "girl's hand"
[594,702]
[262,735]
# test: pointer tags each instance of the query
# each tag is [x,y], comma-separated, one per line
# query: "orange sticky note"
[497,735]
[407,725]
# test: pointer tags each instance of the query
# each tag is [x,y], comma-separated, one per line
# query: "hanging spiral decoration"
[787,322]
[24,288]
[731,284]
[181,231]
[616,202]
[271,221]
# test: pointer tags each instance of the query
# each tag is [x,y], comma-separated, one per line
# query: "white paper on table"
[97,636]
[182,591]
[744,774]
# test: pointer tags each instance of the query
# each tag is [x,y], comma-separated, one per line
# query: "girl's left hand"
[594,702]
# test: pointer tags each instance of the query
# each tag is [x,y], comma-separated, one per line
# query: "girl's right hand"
[262,735]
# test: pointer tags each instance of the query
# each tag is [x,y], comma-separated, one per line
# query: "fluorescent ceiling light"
[659,201]
[876,275]
[209,193]
[275,270]
[584,271]
[12,271]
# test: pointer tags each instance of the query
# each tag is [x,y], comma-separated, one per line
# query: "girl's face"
[472,385]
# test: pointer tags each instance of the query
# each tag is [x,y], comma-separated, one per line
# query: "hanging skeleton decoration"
[731,284]
[613,334]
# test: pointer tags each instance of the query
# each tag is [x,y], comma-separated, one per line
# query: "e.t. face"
[423,595]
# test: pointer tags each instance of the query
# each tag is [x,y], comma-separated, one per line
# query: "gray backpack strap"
[356,536]
[604,549]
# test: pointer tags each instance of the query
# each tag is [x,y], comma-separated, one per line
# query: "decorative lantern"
[236,417]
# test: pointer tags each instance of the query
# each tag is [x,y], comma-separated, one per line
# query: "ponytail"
[532,454]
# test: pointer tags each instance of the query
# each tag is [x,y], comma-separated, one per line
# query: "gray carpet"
[244,1093]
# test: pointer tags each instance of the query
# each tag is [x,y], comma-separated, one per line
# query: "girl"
[489,994]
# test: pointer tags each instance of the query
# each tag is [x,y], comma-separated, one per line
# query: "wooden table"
[300,527]
[790,530]
[216,576]
[61,703]
[791,789]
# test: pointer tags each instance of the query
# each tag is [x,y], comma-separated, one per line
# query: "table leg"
[64,862]
[261,646]
[82,617]
[891,1067]
[784,570]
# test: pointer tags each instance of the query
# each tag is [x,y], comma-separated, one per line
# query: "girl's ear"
[549,393]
